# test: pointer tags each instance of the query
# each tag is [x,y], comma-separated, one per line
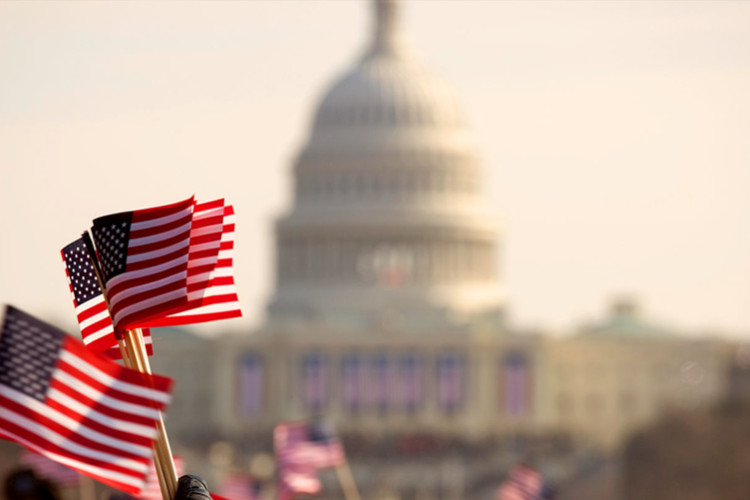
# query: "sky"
[615,135]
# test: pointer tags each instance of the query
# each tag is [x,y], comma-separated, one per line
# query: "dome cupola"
[389,86]
[388,213]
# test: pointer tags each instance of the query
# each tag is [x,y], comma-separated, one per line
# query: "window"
[515,384]
[353,375]
[451,381]
[411,382]
[314,385]
[251,385]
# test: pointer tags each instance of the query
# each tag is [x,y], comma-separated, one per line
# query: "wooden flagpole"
[346,480]
[86,488]
[135,356]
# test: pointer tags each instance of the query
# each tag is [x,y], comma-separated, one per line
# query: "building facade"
[388,312]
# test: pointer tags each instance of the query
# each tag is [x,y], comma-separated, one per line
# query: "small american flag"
[301,449]
[297,482]
[239,487]
[314,381]
[380,386]
[91,309]
[411,381]
[251,385]
[62,400]
[210,280]
[523,483]
[49,469]
[517,385]
[354,381]
[451,381]
[144,259]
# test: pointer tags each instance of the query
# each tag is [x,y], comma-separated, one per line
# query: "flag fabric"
[144,260]
[380,383]
[62,400]
[152,490]
[297,482]
[251,385]
[301,449]
[523,483]
[212,294]
[451,381]
[411,382]
[91,308]
[516,385]
[49,469]
[239,487]
[314,381]
[354,381]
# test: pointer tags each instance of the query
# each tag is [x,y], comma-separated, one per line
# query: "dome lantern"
[387,37]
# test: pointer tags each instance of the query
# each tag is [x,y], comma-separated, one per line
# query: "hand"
[191,487]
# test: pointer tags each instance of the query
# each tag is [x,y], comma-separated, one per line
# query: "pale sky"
[616,137]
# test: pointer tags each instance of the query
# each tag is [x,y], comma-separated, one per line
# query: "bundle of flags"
[94,320]
[162,266]
[525,483]
[68,401]
[71,405]
[301,450]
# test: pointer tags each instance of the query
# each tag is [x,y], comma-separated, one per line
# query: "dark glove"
[191,487]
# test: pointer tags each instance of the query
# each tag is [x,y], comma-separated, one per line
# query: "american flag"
[152,490]
[144,259]
[451,381]
[354,381]
[91,308]
[251,385]
[239,487]
[411,381]
[523,483]
[210,280]
[49,469]
[314,381]
[380,386]
[516,397]
[301,449]
[62,400]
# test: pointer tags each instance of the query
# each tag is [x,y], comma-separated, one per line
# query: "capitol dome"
[389,87]
[388,213]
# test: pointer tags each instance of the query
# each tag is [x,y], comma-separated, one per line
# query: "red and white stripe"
[451,381]
[97,417]
[523,483]
[298,459]
[297,469]
[292,483]
[95,323]
[154,283]
[212,294]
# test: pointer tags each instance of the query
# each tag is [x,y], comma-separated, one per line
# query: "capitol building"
[389,311]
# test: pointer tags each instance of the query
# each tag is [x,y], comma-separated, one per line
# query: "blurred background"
[470,234]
